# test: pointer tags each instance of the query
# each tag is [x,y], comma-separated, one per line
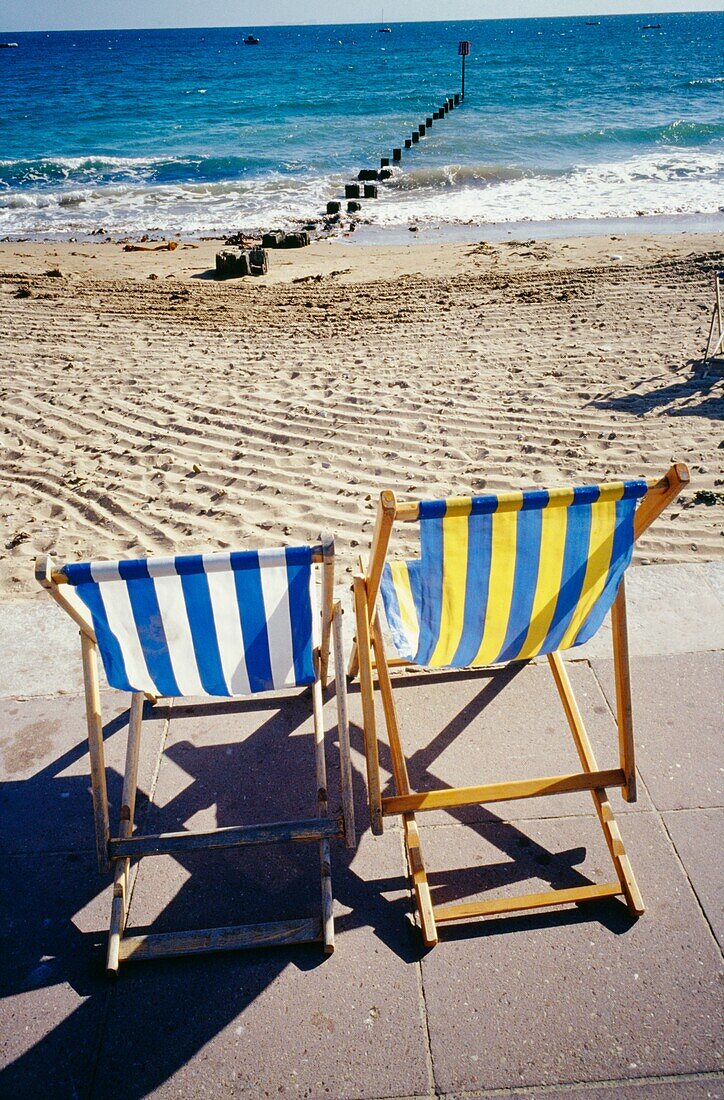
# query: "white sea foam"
[669,181]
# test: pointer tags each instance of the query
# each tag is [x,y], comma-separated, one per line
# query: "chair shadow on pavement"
[127,1037]
[93,1035]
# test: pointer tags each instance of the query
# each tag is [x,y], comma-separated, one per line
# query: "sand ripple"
[150,417]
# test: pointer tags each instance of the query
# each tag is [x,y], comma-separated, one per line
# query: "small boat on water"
[384,30]
[593,22]
[250,40]
[8,45]
[652,27]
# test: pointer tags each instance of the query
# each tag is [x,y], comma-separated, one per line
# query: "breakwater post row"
[366,176]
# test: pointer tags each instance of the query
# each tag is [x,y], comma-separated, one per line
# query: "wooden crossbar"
[202,940]
[322,554]
[450,797]
[233,836]
[409,511]
[467,910]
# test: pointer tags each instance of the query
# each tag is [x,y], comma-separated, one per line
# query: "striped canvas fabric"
[216,624]
[503,578]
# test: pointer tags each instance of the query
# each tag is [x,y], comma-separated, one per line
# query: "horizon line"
[374,23]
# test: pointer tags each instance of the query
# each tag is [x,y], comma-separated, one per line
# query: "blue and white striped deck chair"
[500,578]
[221,625]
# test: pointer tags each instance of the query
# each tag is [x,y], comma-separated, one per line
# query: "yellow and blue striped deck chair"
[221,625]
[500,578]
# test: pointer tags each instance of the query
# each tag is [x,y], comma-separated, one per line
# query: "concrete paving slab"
[671,609]
[40,649]
[569,995]
[282,1021]
[698,836]
[44,769]
[53,988]
[686,1088]
[714,576]
[467,728]
[678,703]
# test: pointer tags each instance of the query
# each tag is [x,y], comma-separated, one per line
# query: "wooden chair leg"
[345,760]
[122,877]
[402,785]
[600,799]
[95,746]
[368,705]
[419,880]
[324,854]
[624,714]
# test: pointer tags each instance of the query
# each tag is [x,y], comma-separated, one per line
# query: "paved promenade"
[577,1003]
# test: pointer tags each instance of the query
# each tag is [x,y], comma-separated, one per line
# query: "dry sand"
[153,415]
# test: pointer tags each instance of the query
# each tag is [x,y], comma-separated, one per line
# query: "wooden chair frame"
[715,339]
[368,656]
[119,852]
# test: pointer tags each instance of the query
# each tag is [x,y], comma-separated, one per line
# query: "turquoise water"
[191,130]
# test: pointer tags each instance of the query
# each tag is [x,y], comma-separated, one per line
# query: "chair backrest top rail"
[507,501]
[164,566]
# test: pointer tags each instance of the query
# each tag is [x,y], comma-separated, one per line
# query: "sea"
[192,131]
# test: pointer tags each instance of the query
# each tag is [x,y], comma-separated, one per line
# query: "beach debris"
[232,264]
[240,240]
[54,273]
[167,246]
[708,497]
[280,239]
[16,539]
[317,279]
[297,240]
[258,261]
[235,263]
[23,292]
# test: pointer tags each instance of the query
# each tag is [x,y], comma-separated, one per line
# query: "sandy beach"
[147,408]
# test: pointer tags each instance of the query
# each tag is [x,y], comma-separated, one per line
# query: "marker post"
[463,51]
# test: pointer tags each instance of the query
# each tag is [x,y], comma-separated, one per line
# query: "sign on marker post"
[463,51]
